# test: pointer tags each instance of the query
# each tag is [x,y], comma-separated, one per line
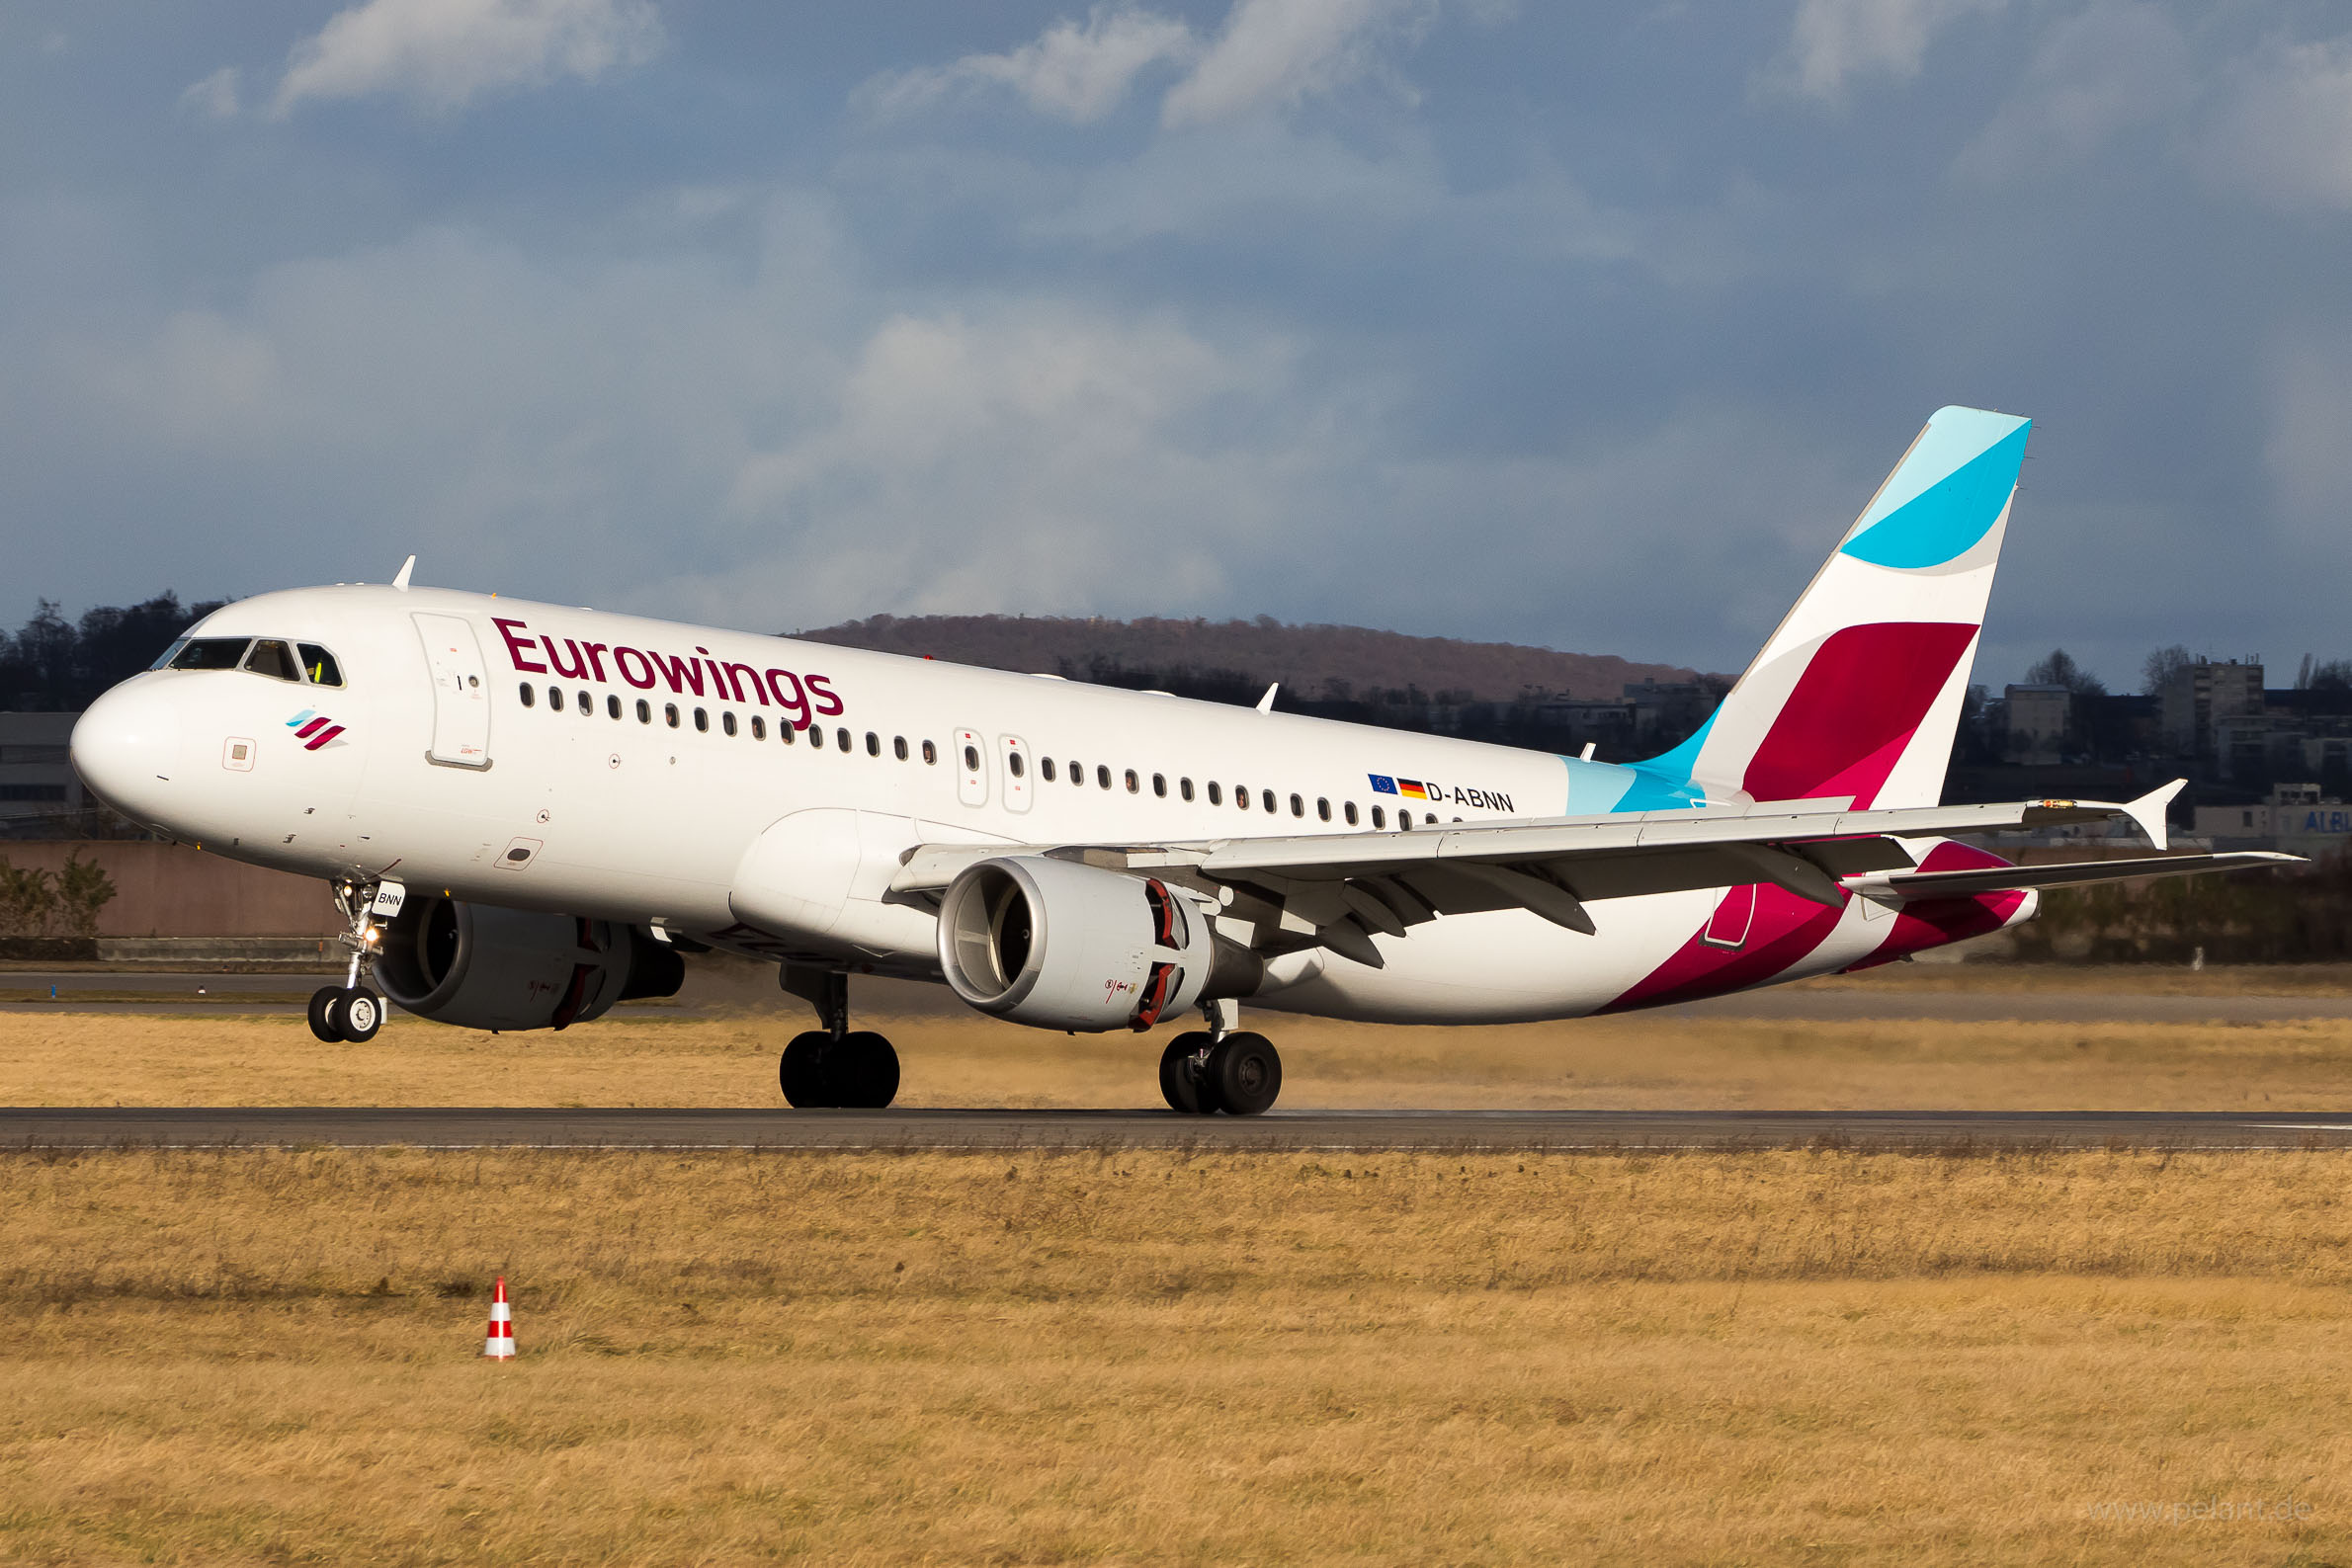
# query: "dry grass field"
[1138,1358]
[1815,1356]
[1644,1061]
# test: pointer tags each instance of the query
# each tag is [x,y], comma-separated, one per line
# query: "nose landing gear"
[1204,1071]
[353,1012]
[835,1068]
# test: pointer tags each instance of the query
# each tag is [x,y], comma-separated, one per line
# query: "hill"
[1313,663]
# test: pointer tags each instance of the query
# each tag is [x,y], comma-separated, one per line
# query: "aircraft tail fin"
[1859,691]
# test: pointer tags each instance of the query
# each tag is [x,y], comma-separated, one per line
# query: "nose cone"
[126,747]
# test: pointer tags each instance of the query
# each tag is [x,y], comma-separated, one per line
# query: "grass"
[1644,1061]
[1148,1358]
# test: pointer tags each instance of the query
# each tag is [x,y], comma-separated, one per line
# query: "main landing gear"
[1220,1068]
[352,1012]
[836,1067]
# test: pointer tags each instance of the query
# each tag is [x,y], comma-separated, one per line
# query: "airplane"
[530,813]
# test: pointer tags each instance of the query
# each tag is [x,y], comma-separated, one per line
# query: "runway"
[283,994]
[1335,1131]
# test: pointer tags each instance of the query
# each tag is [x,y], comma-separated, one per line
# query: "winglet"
[400,578]
[1266,702]
[2147,812]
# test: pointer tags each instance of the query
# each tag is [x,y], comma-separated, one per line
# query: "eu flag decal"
[1382,784]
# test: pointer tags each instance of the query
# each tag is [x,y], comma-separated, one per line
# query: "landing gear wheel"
[857,1072]
[353,1015]
[321,1000]
[862,1068]
[801,1071]
[1246,1074]
[1180,1078]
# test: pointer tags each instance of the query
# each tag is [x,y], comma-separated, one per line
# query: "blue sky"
[1586,326]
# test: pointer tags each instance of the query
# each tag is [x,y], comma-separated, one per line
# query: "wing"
[1336,889]
[2002,878]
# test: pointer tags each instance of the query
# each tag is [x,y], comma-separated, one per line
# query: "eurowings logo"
[314,728]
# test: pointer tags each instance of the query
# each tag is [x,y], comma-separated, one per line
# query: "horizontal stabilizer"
[2010,878]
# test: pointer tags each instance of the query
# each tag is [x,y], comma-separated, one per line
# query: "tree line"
[56,665]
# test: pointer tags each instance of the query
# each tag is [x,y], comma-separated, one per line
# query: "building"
[37,783]
[2295,817]
[2039,721]
[2203,696]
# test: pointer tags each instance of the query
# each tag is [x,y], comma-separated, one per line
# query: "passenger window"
[1405,821]
[930,755]
[210,653]
[1241,796]
[1350,809]
[274,659]
[669,712]
[786,733]
[873,744]
[556,698]
[530,695]
[816,736]
[1046,768]
[1298,806]
[841,739]
[726,721]
[1014,765]
[759,727]
[898,747]
[1102,776]
[1379,816]
[613,707]
[586,704]
[1184,788]
[1133,785]
[971,759]
[1159,785]
[644,711]
[1322,808]
[1078,774]
[1266,796]
[319,665]
[1216,794]
[702,721]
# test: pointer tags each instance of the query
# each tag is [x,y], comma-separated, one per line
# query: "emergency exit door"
[461,691]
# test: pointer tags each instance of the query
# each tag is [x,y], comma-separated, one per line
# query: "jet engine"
[1062,944]
[481,967]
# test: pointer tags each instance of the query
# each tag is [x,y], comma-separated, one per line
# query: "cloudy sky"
[1588,326]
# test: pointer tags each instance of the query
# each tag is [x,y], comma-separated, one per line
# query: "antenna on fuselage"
[1266,702]
[400,578]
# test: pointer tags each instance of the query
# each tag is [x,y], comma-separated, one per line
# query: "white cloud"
[216,97]
[1834,42]
[1079,72]
[446,53]
[2284,136]
[1275,52]
[2117,65]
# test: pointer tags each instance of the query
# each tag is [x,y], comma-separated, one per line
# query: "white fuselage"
[588,798]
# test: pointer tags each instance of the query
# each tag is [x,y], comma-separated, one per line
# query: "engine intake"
[1061,945]
[482,967]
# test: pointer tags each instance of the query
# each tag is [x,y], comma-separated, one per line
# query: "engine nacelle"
[1061,945]
[481,967]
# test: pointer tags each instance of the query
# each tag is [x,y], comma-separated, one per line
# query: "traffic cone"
[500,1345]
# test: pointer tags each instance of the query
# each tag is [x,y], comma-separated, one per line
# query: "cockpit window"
[210,653]
[164,660]
[273,658]
[320,665]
